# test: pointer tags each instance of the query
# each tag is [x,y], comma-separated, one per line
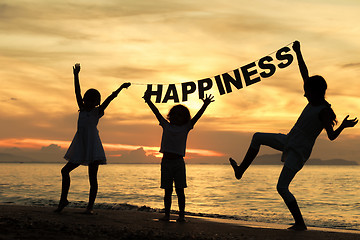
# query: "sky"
[171,42]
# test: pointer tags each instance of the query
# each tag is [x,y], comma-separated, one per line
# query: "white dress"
[86,147]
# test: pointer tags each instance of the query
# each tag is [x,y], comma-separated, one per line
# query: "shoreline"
[213,217]
[40,222]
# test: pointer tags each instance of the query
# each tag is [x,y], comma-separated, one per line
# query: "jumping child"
[173,147]
[86,147]
[296,146]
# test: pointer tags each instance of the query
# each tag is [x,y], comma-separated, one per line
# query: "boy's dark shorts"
[173,170]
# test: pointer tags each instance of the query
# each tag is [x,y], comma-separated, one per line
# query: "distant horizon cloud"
[44,145]
[54,154]
[52,149]
[355,65]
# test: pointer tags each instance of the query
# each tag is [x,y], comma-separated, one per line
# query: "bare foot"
[238,173]
[181,219]
[62,205]
[297,227]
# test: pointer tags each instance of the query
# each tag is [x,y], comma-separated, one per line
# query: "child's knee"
[93,181]
[180,192]
[93,184]
[285,193]
[64,172]
[168,192]
[282,190]
[255,141]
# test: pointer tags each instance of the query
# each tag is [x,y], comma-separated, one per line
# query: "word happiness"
[251,73]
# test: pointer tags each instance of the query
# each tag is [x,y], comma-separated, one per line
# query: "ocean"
[327,195]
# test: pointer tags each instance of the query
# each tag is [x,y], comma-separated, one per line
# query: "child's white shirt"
[174,137]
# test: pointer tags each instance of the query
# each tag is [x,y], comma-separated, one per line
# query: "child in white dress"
[86,147]
[296,146]
[173,147]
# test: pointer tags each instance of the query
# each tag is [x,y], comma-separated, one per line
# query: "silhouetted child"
[173,147]
[86,147]
[296,146]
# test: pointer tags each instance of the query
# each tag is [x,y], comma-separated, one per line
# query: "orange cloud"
[31,143]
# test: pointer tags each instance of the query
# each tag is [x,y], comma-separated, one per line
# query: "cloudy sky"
[171,42]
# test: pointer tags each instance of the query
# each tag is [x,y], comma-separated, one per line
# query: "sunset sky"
[166,42]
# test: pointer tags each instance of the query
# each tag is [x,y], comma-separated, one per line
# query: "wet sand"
[32,222]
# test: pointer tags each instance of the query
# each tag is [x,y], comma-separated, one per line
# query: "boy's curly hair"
[179,110]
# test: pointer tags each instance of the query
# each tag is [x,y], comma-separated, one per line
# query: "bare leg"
[93,170]
[273,140]
[65,173]
[286,176]
[248,159]
[181,202]
[296,213]
[167,204]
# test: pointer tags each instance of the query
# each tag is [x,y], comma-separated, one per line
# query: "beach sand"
[33,222]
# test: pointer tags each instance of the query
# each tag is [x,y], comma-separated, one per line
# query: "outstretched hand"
[296,46]
[76,68]
[349,122]
[125,85]
[208,99]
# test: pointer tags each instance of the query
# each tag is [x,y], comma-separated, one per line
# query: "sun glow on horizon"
[29,143]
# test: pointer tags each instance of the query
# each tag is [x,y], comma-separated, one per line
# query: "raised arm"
[208,99]
[302,66]
[147,98]
[331,133]
[76,70]
[111,97]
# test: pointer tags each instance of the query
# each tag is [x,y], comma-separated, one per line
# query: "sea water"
[328,196]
